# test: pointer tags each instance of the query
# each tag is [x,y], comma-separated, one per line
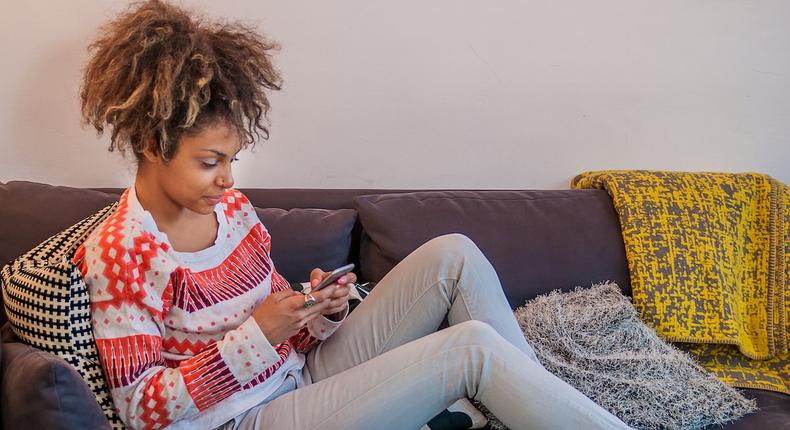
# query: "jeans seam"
[350,402]
[465,300]
[414,303]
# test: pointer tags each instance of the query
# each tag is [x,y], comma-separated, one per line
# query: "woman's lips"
[213,200]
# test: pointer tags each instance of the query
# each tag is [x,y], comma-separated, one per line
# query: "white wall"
[446,93]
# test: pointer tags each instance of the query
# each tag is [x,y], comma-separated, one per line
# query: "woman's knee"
[453,245]
[476,332]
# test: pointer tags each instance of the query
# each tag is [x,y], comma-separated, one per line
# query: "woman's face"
[200,171]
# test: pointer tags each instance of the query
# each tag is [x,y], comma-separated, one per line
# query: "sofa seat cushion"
[773,413]
[536,240]
[42,391]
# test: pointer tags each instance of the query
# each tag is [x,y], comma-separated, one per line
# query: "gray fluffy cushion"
[593,339]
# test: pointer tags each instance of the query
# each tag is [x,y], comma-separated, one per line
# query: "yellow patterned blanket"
[709,258]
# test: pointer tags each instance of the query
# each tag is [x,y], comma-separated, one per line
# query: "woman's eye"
[209,165]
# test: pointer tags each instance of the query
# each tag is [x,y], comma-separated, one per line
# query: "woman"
[195,327]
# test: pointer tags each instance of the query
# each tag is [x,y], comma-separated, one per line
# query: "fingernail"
[342,280]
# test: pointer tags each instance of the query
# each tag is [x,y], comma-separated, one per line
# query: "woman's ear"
[149,155]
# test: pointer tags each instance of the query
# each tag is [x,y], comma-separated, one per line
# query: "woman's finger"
[319,307]
[331,292]
[321,295]
[335,310]
[352,277]
[340,293]
[282,295]
[307,319]
[316,275]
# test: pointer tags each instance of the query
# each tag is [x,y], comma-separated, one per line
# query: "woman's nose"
[226,180]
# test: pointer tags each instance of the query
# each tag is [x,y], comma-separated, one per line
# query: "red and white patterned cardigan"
[174,330]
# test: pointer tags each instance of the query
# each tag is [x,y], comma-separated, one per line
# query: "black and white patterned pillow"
[47,304]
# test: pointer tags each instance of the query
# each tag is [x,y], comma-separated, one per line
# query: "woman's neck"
[166,212]
[187,231]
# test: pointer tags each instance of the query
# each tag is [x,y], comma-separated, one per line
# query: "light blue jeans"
[387,368]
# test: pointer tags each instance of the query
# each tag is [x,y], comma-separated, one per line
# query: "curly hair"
[156,73]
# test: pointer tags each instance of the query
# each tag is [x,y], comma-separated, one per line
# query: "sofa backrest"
[537,240]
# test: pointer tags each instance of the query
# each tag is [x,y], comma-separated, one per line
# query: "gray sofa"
[537,240]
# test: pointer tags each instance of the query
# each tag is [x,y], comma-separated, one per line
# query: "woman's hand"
[282,314]
[336,294]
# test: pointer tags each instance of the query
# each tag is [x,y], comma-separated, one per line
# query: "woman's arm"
[131,291]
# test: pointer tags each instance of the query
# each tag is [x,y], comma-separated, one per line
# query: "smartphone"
[334,276]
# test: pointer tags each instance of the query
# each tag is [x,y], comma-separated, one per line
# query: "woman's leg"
[405,387]
[446,276]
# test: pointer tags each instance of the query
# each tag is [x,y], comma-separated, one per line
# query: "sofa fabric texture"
[37,211]
[306,238]
[527,235]
[42,391]
[31,212]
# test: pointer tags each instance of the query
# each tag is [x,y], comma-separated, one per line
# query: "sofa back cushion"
[536,240]
[32,212]
[303,239]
